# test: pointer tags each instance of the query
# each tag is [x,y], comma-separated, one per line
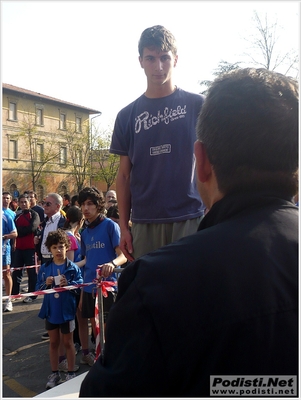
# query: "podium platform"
[66,390]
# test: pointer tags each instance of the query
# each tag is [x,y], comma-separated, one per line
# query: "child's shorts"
[66,327]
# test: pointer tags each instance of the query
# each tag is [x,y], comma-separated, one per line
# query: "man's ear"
[140,61]
[203,166]
[175,61]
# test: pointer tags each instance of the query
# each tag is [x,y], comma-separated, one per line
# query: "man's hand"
[126,244]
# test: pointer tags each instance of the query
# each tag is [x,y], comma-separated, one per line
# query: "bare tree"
[263,50]
[223,67]
[79,154]
[106,164]
[41,149]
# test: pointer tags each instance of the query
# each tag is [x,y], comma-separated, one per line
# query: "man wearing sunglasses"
[54,220]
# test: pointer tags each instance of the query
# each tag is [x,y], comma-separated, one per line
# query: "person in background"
[59,308]
[66,202]
[6,200]
[53,220]
[33,200]
[27,222]
[73,224]
[13,205]
[74,200]
[9,232]
[154,137]
[168,334]
[113,213]
[110,196]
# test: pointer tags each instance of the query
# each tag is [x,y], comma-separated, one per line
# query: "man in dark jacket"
[27,222]
[223,301]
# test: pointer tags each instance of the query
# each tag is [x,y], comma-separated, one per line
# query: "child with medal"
[59,308]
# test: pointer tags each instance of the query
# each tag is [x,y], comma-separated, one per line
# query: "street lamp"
[91,136]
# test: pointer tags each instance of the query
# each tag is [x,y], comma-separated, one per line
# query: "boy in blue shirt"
[100,245]
[59,308]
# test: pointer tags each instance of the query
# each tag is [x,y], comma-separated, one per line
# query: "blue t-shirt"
[8,226]
[158,136]
[98,245]
[10,212]
[56,315]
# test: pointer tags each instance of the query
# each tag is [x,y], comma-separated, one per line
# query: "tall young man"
[223,301]
[154,137]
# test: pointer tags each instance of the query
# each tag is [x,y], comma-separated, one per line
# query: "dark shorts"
[66,327]
[88,305]
[24,257]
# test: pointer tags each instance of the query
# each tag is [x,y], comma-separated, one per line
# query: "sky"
[86,52]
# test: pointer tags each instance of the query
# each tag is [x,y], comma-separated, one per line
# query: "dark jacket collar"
[235,203]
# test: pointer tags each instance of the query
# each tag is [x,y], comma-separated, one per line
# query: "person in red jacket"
[27,222]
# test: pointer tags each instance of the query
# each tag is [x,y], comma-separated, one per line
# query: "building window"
[78,124]
[39,117]
[63,155]
[12,114]
[13,149]
[62,121]
[39,151]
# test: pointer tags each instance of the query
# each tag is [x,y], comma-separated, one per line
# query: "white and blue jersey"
[98,246]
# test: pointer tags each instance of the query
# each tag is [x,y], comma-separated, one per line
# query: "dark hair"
[157,37]
[55,237]
[73,214]
[66,197]
[23,196]
[113,212]
[249,127]
[74,199]
[93,194]
[32,192]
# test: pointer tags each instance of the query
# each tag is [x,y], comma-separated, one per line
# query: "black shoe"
[45,336]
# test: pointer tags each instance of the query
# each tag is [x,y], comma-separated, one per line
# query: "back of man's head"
[249,127]
[157,37]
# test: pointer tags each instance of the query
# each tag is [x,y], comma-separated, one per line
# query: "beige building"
[45,143]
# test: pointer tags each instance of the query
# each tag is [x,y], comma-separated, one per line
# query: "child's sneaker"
[88,359]
[53,380]
[63,366]
[70,376]
[8,306]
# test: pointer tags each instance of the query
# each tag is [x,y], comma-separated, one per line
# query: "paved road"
[25,356]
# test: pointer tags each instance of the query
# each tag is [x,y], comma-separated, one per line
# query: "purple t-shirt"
[158,136]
